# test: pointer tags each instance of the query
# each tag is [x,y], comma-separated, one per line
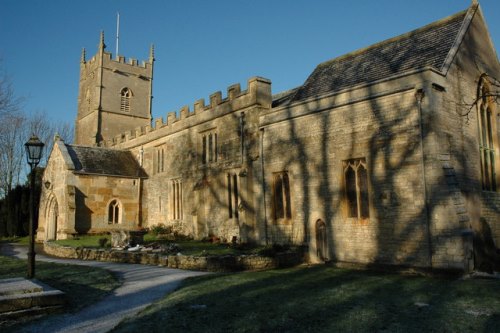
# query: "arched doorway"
[321,241]
[51,219]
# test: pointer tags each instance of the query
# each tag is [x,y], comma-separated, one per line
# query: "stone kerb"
[226,263]
[258,92]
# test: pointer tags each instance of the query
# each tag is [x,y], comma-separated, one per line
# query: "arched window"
[282,208]
[126,95]
[356,188]
[114,212]
[487,137]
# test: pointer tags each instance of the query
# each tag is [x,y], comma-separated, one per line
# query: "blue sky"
[200,46]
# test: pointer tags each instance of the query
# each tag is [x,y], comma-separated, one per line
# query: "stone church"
[389,154]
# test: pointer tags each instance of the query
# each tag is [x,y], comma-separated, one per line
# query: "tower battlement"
[258,93]
[114,95]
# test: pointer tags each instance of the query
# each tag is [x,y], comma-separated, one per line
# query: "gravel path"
[141,286]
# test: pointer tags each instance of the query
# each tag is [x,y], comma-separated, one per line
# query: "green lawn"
[19,240]
[90,241]
[323,299]
[82,285]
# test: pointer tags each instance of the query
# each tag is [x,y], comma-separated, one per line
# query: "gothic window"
[114,212]
[487,138]
[126,95]
[232,195]
[159,160]
[209,147]
[281,196]
[356,188]
[176,199]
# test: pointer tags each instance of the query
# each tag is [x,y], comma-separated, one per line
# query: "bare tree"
[11,151]
[9,102]
[493,93]
[15,129]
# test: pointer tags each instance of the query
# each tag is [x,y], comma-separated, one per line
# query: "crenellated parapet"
[258,93]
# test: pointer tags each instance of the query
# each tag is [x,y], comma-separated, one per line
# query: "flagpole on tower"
[117,32]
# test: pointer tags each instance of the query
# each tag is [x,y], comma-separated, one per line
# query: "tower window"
[126,95]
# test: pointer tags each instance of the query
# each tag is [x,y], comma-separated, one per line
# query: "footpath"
[142,285]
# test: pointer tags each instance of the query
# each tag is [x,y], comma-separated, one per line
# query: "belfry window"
[281,196]
[126,95]
[356,188]
[487,138]
[114,212]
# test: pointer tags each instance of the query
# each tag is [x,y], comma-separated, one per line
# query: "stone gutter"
[224,263]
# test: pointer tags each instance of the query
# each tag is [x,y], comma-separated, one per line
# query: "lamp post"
[34,148]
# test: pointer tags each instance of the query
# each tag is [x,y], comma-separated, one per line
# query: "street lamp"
[34,148]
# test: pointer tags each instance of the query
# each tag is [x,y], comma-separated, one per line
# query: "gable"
[476,53]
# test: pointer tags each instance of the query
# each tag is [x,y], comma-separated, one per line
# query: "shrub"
[161,229]
[103,241]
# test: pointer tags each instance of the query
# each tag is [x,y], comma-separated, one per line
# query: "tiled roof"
[104,161]
[283,97]
[424,47]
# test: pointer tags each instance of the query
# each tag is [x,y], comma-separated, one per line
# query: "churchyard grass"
[324,299]
[18,240]
[90,241]
[83,285]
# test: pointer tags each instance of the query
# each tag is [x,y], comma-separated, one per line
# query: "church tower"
[114,96]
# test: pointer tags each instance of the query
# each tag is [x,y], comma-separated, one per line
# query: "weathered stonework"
[228,263]
[374,159]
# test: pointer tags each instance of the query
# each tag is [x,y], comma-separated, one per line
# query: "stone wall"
[312,147]
[188,182]
[93,195]
[227,263]
[490,210]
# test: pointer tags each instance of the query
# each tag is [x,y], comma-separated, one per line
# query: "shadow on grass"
[323,299]
[83,285]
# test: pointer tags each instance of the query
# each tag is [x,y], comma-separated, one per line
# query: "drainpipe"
[139,189]
[263,181]
[419,96]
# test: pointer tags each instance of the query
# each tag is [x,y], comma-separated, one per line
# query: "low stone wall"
[226,263]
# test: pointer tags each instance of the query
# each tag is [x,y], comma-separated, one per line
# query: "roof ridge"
[395,38]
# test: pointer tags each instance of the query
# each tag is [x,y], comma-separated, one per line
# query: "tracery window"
[126,95]
[176,199]
[281,196]
[114,212]
[356,188]
[487,138]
